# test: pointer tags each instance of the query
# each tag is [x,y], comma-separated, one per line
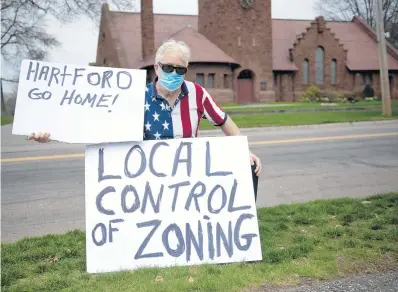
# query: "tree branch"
[23,24]
[34,4]
[346,9]
[13,22]
[9,80]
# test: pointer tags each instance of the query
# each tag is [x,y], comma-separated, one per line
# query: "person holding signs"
[175,106]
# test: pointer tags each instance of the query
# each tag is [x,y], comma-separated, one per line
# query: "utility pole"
[382,48]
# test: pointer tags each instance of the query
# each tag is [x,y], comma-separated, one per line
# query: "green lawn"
[320,239]
[6,120]
[303,105]
[287,119]
[292,118]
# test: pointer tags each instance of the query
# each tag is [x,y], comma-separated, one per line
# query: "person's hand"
[40,137]
[255,159]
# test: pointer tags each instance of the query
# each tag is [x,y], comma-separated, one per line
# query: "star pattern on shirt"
[148,126]
[158,116]
[165,125]
[155,116]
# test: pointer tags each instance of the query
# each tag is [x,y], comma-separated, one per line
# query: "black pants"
[255,181]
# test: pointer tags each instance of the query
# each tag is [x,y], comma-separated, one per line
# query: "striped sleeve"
[212,111]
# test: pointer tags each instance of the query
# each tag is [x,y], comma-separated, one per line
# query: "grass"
[307,118]
[302,105]
[320,239]
[287,119]
[5,120]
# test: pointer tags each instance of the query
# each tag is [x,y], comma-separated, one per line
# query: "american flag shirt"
[182,120]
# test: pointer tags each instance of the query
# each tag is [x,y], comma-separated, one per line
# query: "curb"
[305,110]
[313,126]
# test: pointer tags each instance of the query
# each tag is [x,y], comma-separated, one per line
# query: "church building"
[240,54]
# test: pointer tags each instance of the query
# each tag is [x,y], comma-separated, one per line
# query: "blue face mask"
[170,81]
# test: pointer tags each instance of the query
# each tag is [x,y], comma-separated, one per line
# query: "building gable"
[317,52]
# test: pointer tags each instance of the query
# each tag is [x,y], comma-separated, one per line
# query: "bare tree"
[23,24]
[346,9]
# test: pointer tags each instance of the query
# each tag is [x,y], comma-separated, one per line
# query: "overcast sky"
[79,39]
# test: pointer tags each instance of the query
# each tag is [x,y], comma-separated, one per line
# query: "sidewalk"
[257,105]
[246,131]
[380,282]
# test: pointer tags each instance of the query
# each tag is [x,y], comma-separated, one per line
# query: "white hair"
[172,45]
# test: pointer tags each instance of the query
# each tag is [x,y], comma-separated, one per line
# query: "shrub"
[358,95]
[338,97]
[304,98]
[348,94]
[312,93]
[368,91]
[332,96]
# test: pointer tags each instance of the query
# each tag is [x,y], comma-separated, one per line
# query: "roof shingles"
[202,50]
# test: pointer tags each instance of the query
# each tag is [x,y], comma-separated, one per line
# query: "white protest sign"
[170,203]
[80,104]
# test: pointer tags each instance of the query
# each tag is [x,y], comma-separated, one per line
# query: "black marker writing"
[187,160]
[197,241]
[148,195]
[36,94]
[71,76]
[131,200]
[99,198]
[142,164]
[177,188]
[198,190]
[90,99]
[103,235]
[180,245]
[210,199]
[218,239]
[182,158]
[126,191]
[152,157]
[208,164]
[101,175]
[155,225]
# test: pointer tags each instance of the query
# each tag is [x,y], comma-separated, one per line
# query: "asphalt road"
[45,194]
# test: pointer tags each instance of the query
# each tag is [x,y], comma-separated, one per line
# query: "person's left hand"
[255,159]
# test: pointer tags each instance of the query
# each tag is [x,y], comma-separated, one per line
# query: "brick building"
[240,54]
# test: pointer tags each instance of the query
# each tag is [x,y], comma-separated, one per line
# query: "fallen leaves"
[159,278]
[52,260]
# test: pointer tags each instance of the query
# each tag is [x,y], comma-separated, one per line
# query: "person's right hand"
[40,137]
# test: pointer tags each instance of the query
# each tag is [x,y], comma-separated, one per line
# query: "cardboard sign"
[78,104]
[171,202]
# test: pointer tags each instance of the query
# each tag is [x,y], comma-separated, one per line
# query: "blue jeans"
[255,181]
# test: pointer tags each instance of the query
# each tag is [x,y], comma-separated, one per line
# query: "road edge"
[310,126]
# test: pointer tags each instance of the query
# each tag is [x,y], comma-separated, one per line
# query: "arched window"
[333,66]
[305,71]
[319,65]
